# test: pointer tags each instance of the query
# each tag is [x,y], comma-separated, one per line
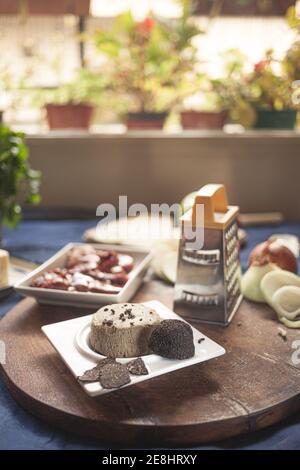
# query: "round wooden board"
[254,385]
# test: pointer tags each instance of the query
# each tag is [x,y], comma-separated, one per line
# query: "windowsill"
[119,131]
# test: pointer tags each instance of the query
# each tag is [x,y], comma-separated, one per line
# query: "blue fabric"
[36,241]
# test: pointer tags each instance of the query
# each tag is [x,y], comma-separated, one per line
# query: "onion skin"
[272,251]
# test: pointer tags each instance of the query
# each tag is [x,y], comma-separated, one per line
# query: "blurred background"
[153,99]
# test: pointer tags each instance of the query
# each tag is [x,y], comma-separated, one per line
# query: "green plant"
[291,60]
[149,60]
[87,86]
[230,92]
[269,89]
[16,177]
[5,79]
[242,93]
[293,18]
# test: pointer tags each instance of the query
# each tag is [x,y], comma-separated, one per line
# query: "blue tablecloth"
[36,241]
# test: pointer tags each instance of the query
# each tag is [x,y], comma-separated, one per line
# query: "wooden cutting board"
[254,385]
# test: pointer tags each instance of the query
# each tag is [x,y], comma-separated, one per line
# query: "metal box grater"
[208,280]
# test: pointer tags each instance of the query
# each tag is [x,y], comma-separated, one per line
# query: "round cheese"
[123,330]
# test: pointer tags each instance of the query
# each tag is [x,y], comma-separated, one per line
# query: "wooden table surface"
[254,385]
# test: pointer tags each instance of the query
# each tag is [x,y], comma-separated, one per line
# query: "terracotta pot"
[203,120]
[271,119]
[144,121]
[69,116]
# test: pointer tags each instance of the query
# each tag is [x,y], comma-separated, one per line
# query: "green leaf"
[34,199]
[14,172]
[125,22]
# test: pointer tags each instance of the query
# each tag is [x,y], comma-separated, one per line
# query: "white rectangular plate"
[62,336]
[142,259]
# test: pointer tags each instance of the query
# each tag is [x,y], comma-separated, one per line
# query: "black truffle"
[92,375]
[104,362]
[114,375]
[172,339]
[137,367]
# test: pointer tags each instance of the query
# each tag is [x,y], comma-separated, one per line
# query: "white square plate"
[64,337]
[142,259]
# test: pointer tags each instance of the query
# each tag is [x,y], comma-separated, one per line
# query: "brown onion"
[272,251]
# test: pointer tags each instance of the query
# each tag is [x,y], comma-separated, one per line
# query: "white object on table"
[69,338]
[142,259]
[4,269]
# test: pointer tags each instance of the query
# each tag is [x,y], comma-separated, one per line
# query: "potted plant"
[219,99]
[271,96]
[16,178]
[71,105]
[148,60]
[204,109]
[209,118]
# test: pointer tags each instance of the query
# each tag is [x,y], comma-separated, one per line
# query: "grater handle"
[214,199]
